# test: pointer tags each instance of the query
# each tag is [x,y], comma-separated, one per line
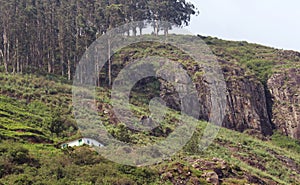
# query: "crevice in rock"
[270,103]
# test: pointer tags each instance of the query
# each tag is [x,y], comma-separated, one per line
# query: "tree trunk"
[134,31]
[53,61]
[166,31]
[17,56]
[141,31]
[49,63]
[62,64]
[61,47]
[69,69]
[27,61]
[157,28]
[1,57]
[81,74]
[62,54]
[5,41]
[8,57]
[21,68]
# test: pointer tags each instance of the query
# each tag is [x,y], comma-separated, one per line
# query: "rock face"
[246,100]
[285,90]
[253,103]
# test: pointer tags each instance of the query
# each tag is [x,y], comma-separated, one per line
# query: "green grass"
[286,143]
[28,108]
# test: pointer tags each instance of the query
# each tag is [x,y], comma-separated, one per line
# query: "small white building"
[82,141]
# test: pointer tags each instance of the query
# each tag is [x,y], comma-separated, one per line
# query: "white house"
[82,141]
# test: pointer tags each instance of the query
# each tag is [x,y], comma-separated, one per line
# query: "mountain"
[259,143]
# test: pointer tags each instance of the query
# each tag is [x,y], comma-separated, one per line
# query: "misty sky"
[273,23]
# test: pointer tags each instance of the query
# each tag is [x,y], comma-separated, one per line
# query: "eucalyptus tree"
[51,35]
[114,17]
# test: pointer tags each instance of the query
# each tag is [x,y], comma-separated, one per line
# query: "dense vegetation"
[51,36]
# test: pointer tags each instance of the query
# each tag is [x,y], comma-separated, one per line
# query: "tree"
[115,17]
[56,125]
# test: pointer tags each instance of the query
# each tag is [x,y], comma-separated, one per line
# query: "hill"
[36,116]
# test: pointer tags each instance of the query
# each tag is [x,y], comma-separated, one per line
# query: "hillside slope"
[233,158]
[36,116]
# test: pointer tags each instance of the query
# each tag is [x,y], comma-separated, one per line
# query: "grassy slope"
[239,150]
[30,105]
[258,59]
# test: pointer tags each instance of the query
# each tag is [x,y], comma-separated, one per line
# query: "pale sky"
[274,23]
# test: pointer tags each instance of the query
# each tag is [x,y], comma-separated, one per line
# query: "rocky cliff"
[246,101]
[262,84]
[284,87]
[245,98]
[274,86]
